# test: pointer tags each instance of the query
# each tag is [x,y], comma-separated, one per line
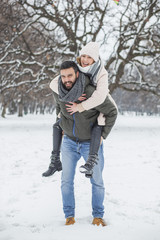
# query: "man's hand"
[72,108]
[82,98]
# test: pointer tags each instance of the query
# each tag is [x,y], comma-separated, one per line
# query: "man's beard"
[68,88]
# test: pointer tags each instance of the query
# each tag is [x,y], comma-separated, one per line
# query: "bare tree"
[137,48]
[38,35]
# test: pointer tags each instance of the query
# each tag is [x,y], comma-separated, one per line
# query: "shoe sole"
[88,175]
[83,170]
[48,175]
[59,169]
[68,224]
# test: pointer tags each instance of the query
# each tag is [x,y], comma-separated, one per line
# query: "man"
[76,141]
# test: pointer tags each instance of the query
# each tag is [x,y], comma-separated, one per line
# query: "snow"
[31,206]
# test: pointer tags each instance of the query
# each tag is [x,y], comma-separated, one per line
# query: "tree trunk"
[20,109]
[4,111]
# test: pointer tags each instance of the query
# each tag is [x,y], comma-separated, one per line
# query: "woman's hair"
[69,64]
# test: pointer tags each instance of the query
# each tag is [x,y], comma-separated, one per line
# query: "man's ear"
[77,75]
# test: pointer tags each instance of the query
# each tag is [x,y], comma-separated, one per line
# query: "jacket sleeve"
[110,111]
[98,96]
[58,110]
[54,84]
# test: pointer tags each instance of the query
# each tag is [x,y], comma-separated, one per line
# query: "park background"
[35,37]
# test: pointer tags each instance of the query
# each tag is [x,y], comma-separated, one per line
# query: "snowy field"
[31,207]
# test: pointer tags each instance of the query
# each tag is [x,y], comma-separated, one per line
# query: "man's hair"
[69,64]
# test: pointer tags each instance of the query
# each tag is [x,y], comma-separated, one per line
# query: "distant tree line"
[36,36]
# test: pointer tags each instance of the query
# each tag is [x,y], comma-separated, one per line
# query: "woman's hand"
[71,108]
[82,98]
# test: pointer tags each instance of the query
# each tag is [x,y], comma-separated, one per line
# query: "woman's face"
[86,60]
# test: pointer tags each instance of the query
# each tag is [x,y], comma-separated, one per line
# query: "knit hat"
[92,50]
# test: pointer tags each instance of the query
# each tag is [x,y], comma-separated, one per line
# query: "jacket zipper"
[74,126]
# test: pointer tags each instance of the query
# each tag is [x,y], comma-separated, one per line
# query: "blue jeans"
[71,152]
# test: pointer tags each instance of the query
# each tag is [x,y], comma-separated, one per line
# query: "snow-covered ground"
[31,207]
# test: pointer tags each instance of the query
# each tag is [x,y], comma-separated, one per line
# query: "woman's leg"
[57,138]
[95,139]
[55,164]
[93,152]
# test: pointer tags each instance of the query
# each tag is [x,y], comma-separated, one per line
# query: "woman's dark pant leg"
[57,137]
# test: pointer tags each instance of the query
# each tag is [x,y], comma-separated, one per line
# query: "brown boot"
[99,221]
[70,221]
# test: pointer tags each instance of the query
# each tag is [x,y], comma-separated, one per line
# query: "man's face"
[68,77]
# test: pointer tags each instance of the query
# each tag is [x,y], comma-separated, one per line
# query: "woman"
[90,64]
